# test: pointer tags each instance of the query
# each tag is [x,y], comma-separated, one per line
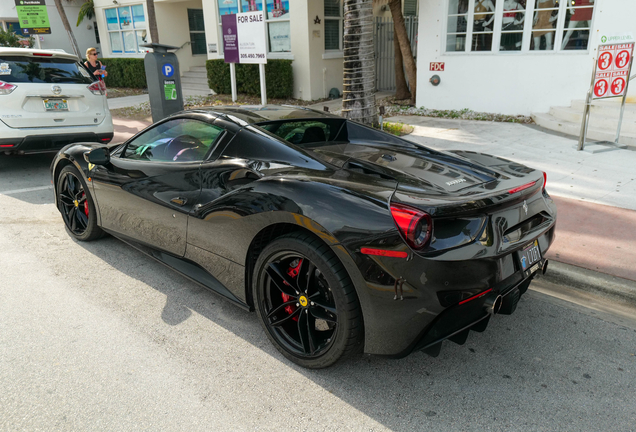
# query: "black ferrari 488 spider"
[343,238]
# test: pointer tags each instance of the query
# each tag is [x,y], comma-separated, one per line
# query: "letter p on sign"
[168,70]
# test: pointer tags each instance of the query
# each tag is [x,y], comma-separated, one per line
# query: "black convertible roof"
[264,113]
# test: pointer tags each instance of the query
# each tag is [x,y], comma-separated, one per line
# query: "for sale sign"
[613,68]
[244,38]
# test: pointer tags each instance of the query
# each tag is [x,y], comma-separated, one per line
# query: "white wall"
[314,75]
[58,39]
[172,24]
[510,83]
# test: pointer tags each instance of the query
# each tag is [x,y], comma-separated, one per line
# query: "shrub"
[125,72]
[279,78]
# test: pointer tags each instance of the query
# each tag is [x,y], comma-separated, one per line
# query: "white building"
[502,56]
[514,56]
[86,33]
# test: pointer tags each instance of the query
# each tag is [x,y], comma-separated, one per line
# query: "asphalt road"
[97,336]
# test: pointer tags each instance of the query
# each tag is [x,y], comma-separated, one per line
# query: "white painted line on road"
[19,191]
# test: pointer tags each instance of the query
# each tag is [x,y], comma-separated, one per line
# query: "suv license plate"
[55,105]
[529,255]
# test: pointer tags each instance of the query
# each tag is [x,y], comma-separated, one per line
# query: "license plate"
[55,105]
[529,255]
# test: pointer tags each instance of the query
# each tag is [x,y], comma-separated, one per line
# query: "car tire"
[75,203]
[306,301]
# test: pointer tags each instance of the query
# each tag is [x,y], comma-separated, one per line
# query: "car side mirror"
[98,156]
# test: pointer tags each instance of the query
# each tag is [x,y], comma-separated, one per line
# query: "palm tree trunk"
[152,21]
[358,95]
[401,88]
[67,26]
[405,45]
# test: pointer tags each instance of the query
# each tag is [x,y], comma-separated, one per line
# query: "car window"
[178,140]
[301,132]
[42,70]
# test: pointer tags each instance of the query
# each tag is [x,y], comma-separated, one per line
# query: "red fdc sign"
[612,70]
[437,66]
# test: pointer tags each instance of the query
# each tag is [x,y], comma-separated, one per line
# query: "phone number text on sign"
[612,70]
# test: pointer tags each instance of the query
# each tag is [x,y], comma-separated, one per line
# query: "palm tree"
[358,94]
[87,11]
[152,21]
[67,26]
[405,47]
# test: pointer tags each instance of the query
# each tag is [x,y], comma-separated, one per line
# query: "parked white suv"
[47,100]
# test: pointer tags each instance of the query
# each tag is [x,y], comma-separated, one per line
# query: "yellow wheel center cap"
[76,202]
[303,301]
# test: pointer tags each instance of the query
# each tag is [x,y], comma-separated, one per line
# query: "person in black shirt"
[93,65]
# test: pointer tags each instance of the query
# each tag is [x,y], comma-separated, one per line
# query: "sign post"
[244,42]
[610,79]
[33,17]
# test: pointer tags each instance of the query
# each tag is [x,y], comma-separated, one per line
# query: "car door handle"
[179,201]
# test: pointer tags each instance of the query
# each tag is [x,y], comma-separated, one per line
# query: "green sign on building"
[33,17]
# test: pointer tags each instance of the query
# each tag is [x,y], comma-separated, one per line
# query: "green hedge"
[125,72]
[279,78]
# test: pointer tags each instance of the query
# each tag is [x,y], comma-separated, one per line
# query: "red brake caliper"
[293,272]
[85,203]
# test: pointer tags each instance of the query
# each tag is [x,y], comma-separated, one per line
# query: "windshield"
[42,70]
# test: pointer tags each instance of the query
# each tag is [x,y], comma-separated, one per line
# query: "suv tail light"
[415,225]
[97,88]
[6,88]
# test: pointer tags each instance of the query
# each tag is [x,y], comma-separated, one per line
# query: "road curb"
[611,287]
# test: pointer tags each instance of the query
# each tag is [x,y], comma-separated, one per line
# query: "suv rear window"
[23,69]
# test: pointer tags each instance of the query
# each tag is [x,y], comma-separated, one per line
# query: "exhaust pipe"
[544,267]
[493,304]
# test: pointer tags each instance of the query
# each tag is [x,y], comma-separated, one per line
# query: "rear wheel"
[306,301]
[76,205]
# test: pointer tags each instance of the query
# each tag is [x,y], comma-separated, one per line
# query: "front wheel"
[76,205]
[306,301]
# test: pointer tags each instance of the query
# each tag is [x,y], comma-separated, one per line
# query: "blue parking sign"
[168,69]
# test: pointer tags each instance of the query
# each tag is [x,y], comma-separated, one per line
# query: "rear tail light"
[415,225]
[43,54]
[6,88]
[97,88]
[545,179]
[520,188]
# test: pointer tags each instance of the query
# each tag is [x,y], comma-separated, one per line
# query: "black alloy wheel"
[76,205]
[306,301]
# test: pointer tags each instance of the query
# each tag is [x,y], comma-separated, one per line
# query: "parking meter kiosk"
[164,81]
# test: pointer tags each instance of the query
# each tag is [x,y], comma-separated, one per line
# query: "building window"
[126,26]
[276,19]
[457,20]
[96,31]
[410,8]
[518,25]
[578,23]
[483,24]
[13,26]
[514,14]
[546,13]
[197,31]
[333,25]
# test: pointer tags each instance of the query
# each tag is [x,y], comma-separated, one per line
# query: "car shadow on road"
[542,366]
